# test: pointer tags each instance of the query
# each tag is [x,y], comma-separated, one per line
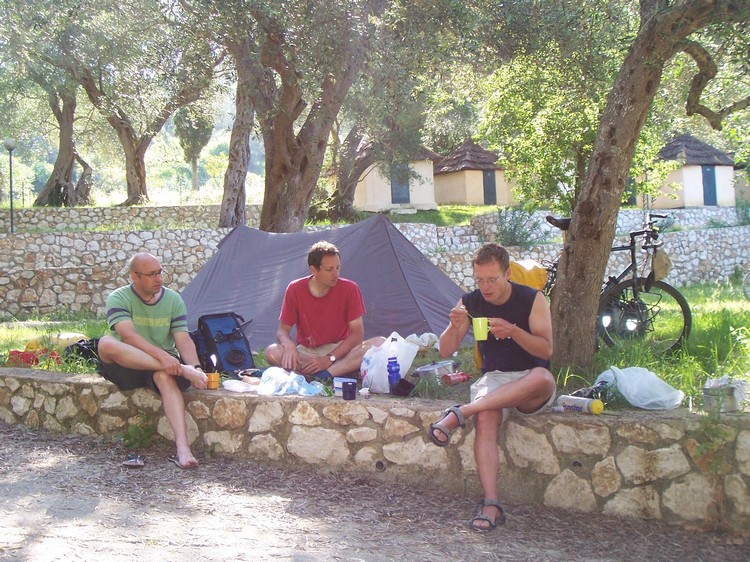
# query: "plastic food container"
[338,385]
[436,369]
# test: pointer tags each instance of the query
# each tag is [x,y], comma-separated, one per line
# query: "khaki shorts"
[320,351]
[495,379]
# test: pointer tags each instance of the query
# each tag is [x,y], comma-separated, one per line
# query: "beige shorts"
[319,351]
[495,379]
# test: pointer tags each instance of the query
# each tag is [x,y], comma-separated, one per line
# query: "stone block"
[690,498]
[317,445]
[305,414]
[568,491]
[346,413]
[605,478]
[265,416]
[228,412]
[264,447]
[530,449]
[223,441]
[578,439]
[640,503]
[639,466]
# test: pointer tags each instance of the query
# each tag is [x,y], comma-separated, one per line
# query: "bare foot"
[197,378]
[184,459]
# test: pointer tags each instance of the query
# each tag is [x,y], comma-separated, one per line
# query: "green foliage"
[743,213]
[516,226]
[140,435]
[193,126]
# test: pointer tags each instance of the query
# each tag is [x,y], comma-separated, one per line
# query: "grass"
[719,344]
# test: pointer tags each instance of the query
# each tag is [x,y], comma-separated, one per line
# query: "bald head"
[142,261]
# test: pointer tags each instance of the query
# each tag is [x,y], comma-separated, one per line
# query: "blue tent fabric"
[402,289]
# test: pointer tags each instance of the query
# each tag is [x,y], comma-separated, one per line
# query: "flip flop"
[134,461]
[175,460]
[447,433]
[491,524]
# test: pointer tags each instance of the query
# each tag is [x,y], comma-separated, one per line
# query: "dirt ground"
[67,498]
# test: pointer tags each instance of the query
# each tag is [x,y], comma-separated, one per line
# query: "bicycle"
[633,306]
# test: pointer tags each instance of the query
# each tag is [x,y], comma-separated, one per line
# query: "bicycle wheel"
[746,285]
[660,317]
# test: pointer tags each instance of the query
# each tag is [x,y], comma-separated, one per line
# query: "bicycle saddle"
[562,224]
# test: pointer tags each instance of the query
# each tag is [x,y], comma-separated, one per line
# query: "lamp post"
[10,146]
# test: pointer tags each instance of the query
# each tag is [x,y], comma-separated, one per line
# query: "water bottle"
[394,373]
[579,404]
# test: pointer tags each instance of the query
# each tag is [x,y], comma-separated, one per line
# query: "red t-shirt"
[321,320]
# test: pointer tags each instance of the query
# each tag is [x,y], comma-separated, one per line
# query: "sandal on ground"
[491,524]
[134,461]
[174,459]
[446,432]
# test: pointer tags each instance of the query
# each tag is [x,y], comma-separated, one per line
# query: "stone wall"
[42,271]
[675,467]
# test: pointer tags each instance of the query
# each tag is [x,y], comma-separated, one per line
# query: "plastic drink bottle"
[578,404]
[394,373]
[454,378]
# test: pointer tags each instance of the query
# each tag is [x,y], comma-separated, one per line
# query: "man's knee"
[487,421]
[106,348]
[272,354]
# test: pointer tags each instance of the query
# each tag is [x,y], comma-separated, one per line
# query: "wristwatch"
[331,358]
[198,367]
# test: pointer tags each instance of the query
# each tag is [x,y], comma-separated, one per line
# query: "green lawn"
[719,344]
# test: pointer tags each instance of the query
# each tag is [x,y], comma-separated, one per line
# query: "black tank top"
[505,355]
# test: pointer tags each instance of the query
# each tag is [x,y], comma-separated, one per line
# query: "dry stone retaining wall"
[658,466]
[41,272]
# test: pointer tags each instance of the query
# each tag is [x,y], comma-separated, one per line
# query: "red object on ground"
[17,358]
[454,378]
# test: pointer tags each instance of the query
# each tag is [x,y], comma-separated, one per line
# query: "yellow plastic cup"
[481,328]
[213,381]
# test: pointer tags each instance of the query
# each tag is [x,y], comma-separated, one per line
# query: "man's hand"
[171,365]
[459,316]
[502,329]
[290,357]
[313,364]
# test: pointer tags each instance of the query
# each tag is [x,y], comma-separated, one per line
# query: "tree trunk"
[135,164]
[585,255]
[85,182]
[233,202]
[63,105]
[194,173]
[355,159]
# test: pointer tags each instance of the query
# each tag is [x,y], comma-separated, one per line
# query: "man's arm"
[127,332]
[189,355]
[538,340]
[454,334]
[288,345]
[186,348]
[354,339]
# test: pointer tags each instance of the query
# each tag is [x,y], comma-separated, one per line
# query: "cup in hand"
[481,328]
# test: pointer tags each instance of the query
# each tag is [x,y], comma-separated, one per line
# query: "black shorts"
[129,379]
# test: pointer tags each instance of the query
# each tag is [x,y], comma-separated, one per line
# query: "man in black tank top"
[515,363]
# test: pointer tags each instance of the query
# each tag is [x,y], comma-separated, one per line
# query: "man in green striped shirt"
[149,346]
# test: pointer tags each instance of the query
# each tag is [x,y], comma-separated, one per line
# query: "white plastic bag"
[374,366]
[275,381]
[642,388]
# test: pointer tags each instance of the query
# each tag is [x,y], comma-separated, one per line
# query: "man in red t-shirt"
[327,311]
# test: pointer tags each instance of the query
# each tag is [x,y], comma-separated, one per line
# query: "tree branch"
[706,72]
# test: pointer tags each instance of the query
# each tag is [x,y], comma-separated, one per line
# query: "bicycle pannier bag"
[222,344]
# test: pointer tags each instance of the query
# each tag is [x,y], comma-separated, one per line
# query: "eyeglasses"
[488,281]
[150,275]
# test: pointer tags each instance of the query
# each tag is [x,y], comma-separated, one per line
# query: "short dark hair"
[492,252]
[318,250]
